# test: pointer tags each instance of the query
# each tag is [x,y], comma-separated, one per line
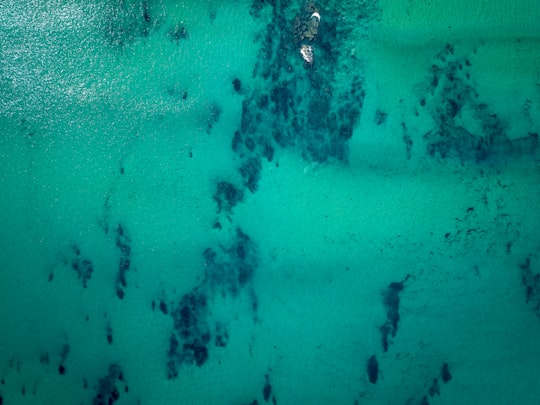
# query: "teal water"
[192,213]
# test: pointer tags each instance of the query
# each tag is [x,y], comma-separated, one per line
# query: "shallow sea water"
[191,213]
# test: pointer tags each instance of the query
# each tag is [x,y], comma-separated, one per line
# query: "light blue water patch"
[242,202]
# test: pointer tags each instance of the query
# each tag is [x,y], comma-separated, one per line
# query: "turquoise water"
[193,213]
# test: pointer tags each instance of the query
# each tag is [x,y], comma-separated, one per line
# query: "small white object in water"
[307,53]
[316,15]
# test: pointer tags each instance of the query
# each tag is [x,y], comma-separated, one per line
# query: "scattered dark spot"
[61,369]
[122,171]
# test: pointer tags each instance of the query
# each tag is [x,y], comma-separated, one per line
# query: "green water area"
[269,202]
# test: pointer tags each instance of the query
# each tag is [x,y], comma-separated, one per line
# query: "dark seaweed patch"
[109,387]
[531,282]
[527,145]
[63,357]
[109,333]
[178,33]
[231,271]
[163,307]
[267,389]
[188,343]
[123,243]
[197,352]
[445,373]
[380,117]
[451,92]
[227,196]
[250,170]
[435,387]
[237,85]
[222,335]
[127,22]
[83,267]
[257,6]
[298,105]
[228,271]
[372,367]
[407,139]
[145,12]
[391,302]
[237,141]
[214,115]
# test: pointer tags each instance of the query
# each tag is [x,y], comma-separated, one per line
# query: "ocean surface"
[283,202]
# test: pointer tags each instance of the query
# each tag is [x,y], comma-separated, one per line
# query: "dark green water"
[240,202]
